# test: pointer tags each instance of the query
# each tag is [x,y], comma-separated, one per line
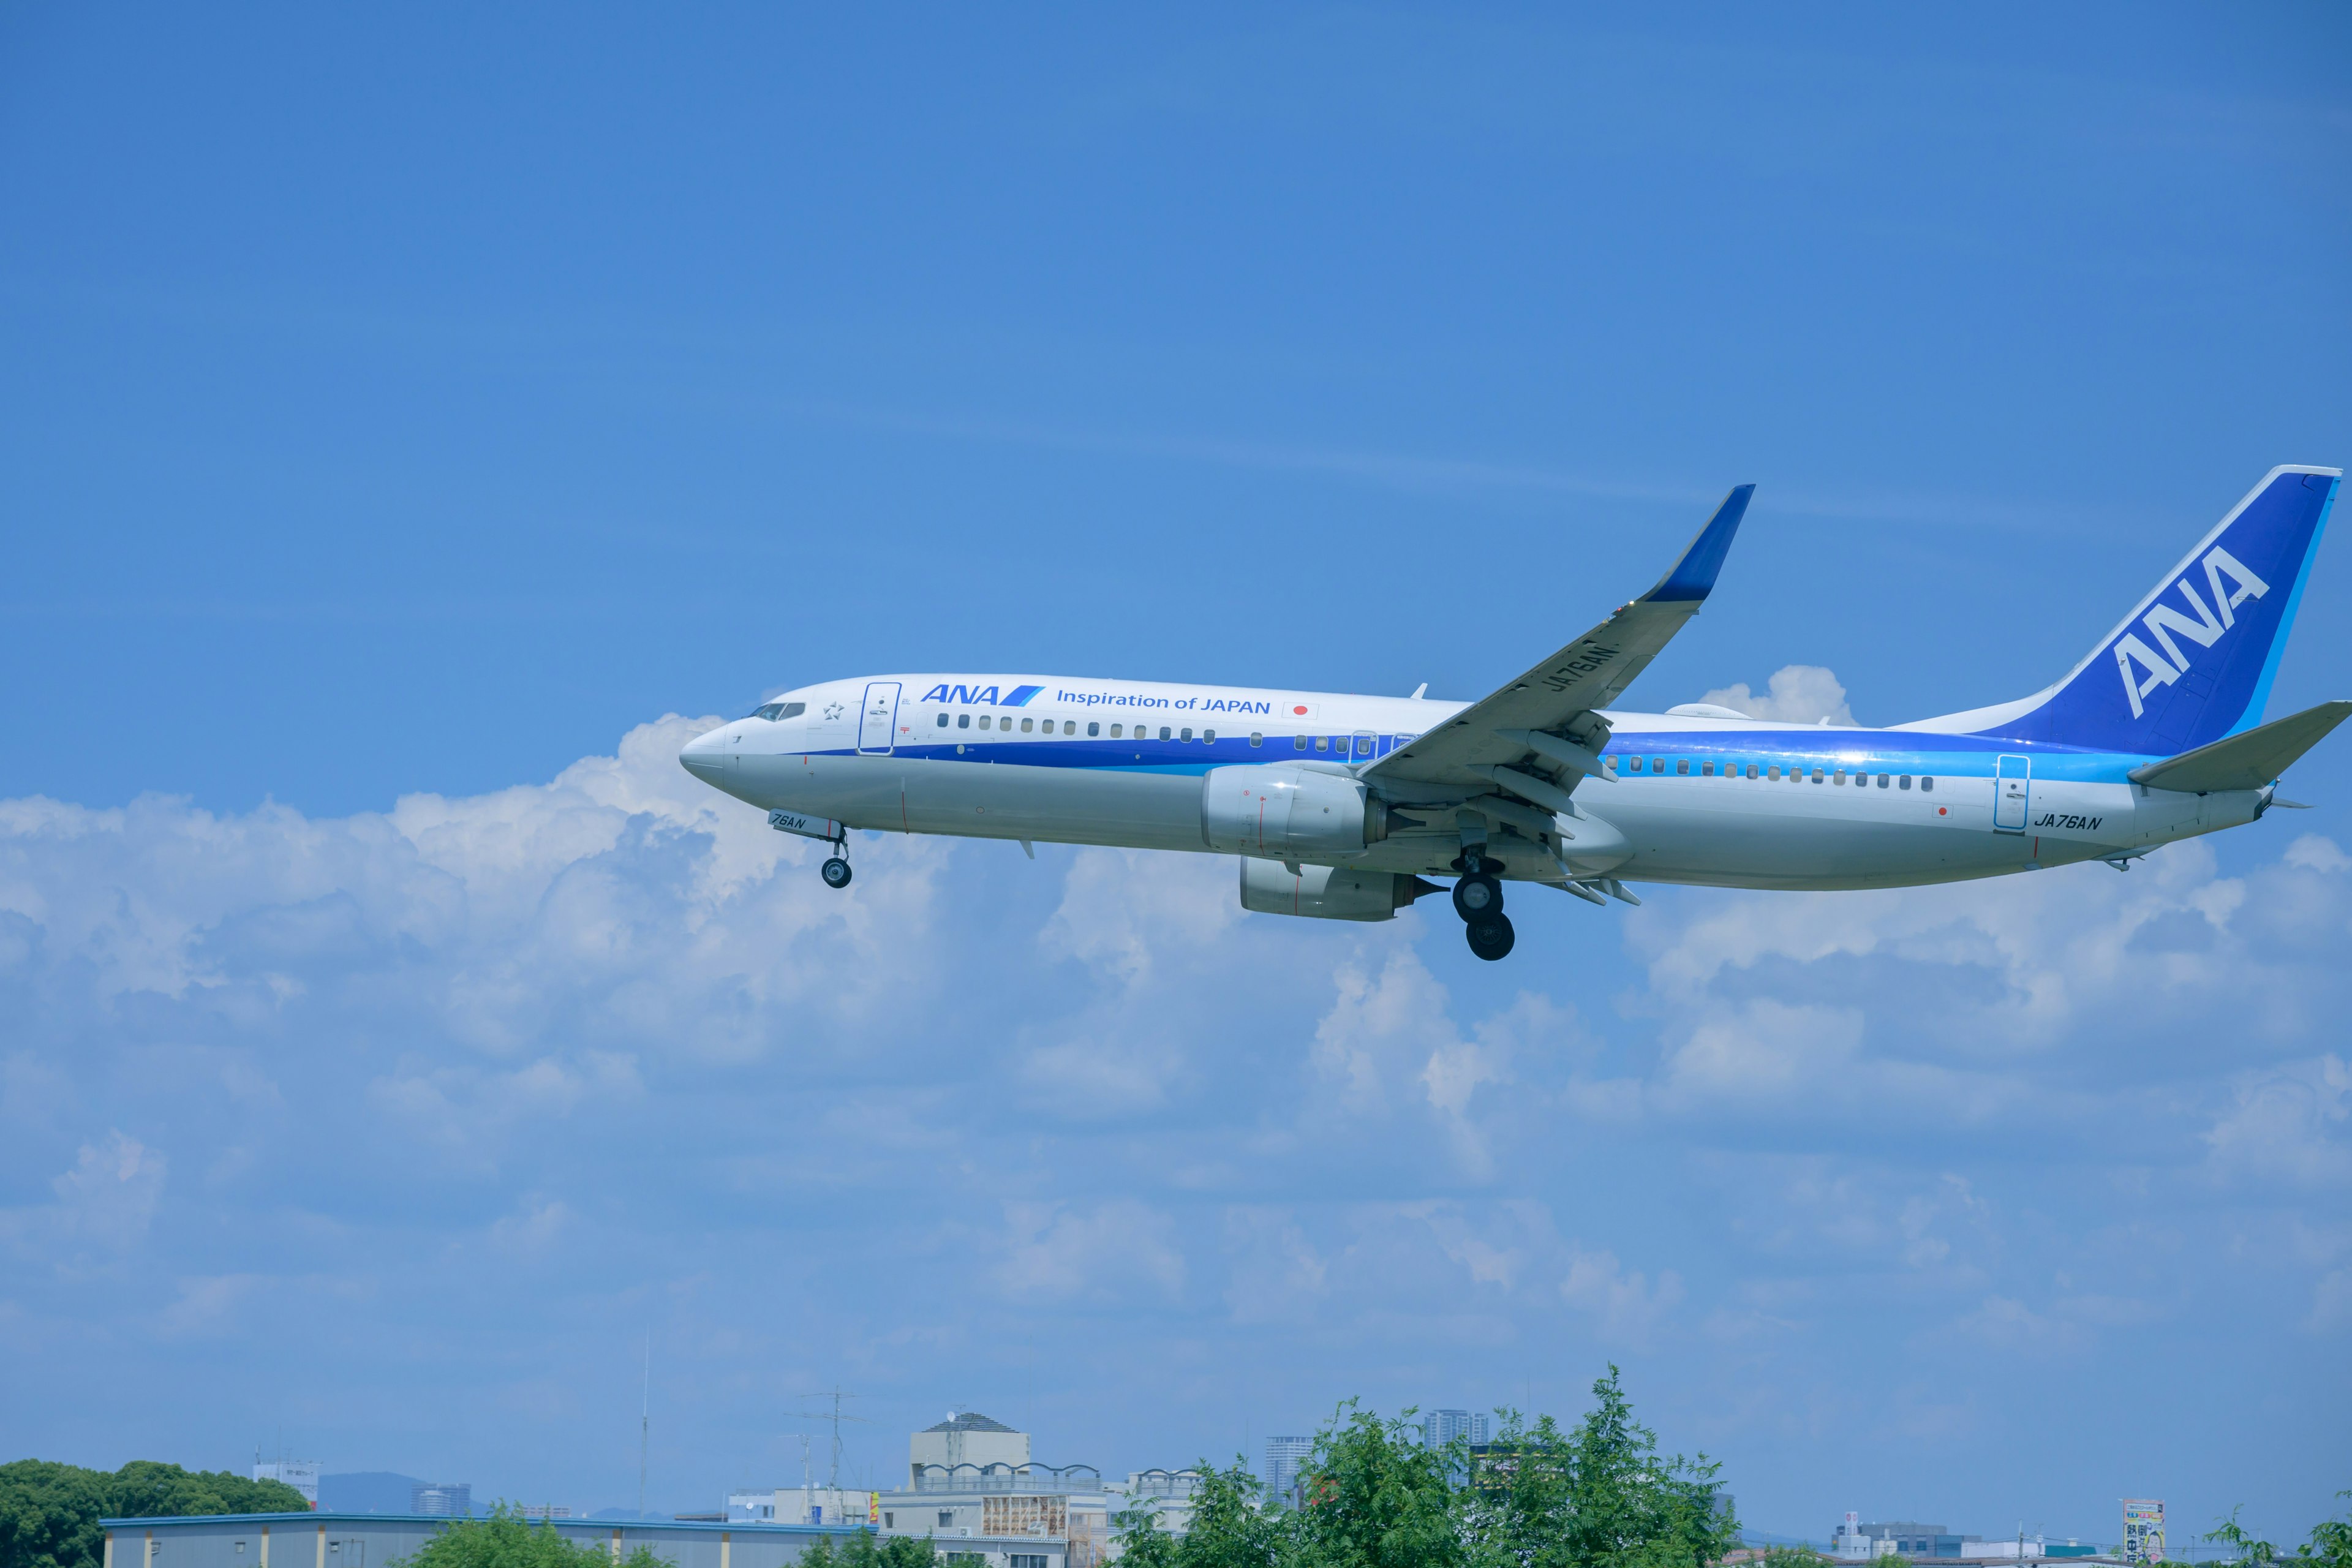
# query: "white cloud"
[1626,1307]
[1106,1252]
[2291,1125]
[109,1198]
[1796,694]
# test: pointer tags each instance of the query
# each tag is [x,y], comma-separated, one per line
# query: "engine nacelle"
[1282,810]
[1328,892]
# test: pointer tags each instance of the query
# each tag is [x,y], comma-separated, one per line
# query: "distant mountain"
[366,1492]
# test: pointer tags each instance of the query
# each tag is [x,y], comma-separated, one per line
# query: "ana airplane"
[1340,806]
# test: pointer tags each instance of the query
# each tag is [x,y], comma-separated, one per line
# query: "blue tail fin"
[2194,661]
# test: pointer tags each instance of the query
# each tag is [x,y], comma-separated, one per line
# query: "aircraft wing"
[1537,736]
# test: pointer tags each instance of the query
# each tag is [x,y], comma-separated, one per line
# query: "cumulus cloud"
[1107,1252]
[109,1198]
[1627,1306]
[974,1098]
[1796,694]
[2291,1124]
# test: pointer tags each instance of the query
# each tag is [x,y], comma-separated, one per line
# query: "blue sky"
[411,425]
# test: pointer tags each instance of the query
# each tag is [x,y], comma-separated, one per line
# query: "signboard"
[2143,1530]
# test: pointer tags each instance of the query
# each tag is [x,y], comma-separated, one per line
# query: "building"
[442,1500]
[1440,1427]
[1168,1495]
[372,1541]
[802,1505]
[303,1475]
[1857,1540]
[974,1489]
[966,1440]
[1285,1457]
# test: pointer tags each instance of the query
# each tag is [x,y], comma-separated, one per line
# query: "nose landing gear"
[1478,900]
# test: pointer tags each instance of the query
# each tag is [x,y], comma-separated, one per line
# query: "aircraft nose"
[705,756]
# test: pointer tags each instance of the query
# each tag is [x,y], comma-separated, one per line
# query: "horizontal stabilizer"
[2248,760]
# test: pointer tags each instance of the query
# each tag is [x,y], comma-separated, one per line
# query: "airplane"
[1342,806]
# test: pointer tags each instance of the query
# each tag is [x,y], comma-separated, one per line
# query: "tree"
[2246,1551]
[1232,1527]
[1598,1497]
[49,1512]
[506,1540]
[2330,1545]
[1375,1497]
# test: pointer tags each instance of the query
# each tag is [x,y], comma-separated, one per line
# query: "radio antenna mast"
[645,1423]
[836,1416]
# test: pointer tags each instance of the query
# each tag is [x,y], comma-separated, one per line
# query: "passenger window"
[1903,783]
[1775,771]
[1926,783]
[1208,737]
[1114,732]
[1257,737]
[1322,743]
[943,721]
[1163,732]
[1682,766]
[1885,779]
[1070,726]
[1838,777]
[963,720]
[1094,727]
[1297,743]
[1707,770]
[983,721]
[1817,776]
[1186,737]
[1027,725]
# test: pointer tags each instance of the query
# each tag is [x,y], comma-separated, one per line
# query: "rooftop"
[969,1421]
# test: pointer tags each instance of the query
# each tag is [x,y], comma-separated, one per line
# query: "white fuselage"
[1716,801]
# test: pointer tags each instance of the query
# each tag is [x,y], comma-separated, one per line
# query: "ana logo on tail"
[2163,620]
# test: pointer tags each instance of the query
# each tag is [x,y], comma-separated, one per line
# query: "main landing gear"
[837,872]
[1478,900]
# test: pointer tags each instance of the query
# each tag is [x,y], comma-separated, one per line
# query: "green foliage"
[862,1551]
[1806,1557]
[2330,1545]
[1595,1495]
[1375,1497]
[1599,1496]
[506,1540]
[1232,1527]
[49,1512]
[2246,1551]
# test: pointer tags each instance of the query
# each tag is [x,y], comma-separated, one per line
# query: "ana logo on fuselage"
[978,696]
[2163,621]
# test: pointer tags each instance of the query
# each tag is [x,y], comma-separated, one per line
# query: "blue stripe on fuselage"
[1872,750]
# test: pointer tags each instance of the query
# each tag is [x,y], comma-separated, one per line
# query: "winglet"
[1692,576]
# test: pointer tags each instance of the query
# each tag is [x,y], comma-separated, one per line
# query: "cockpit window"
[772,711]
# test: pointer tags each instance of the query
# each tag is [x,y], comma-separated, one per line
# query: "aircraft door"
[878,725]
[2012,782]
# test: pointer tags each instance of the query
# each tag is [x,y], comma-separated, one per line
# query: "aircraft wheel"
[1491,936]
[1477,896]
[837,872]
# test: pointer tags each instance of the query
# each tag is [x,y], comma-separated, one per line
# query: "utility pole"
[645,1423]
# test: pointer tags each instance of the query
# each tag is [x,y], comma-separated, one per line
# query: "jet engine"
[1328,892]
[1282,810]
